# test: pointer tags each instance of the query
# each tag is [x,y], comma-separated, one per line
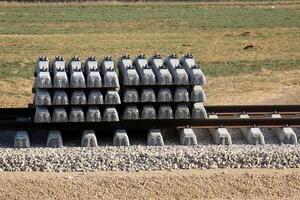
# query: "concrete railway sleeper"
[155,137]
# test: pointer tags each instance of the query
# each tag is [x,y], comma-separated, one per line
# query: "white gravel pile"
[137,158]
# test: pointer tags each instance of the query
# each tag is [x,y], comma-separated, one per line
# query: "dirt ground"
[186,184]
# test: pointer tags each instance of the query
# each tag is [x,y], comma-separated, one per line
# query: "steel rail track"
[150,124]
[21,119]
[13,113]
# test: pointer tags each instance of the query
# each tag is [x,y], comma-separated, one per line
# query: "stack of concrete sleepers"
[76,92]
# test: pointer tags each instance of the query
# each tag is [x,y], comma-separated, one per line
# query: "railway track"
[153,108]
[228,117]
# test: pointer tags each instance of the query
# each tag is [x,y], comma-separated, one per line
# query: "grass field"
[216,33]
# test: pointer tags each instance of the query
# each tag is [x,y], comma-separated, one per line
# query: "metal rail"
[217,109]
[149,124]
[21,119]
[252,109]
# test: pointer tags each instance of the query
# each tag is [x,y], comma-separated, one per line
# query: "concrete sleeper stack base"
[155,138]
[121,138]
[89,139]
[187,137]
[54,139]
[21,140]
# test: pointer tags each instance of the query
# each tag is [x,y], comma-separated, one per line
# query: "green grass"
[212,34]
[163,18]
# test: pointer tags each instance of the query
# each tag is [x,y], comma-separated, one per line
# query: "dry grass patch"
[15,92]
[269,87]
[208,46]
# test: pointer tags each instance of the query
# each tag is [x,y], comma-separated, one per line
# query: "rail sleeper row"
[129,95]
[102,74]
[110,113]
[187,136]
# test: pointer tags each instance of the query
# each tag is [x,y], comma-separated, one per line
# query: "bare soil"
[186,184]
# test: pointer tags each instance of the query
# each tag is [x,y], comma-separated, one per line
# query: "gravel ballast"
[139,158]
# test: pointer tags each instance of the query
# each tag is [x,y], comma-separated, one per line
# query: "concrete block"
[145,72]
[42,72]
[42,115]
[77,79]
[130,95]
[54,139]
[60,78]
[182,112]
[196,75]
[221,136]
[285,135]
[147,76]
[131,112]
[181,95]
[21,139]
[89,139]
[147,95]
[164,95]
[197,94]
[95,98]
[131,78]
[187,136]
[93,78]
[109,76]
[199,111]
[213,116]
[155,138]
[76,115]
[60,98]
[129,75]
[164,77]
[42,98]
[148,112]
[78,98]
[112,97]
[93,114]
[165,112]
[162,74]
[111,80]
[43,80]
[276,115]
[110,114]
[42,65]
[121,138]
[59,115]
[252,135]
[180,77]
